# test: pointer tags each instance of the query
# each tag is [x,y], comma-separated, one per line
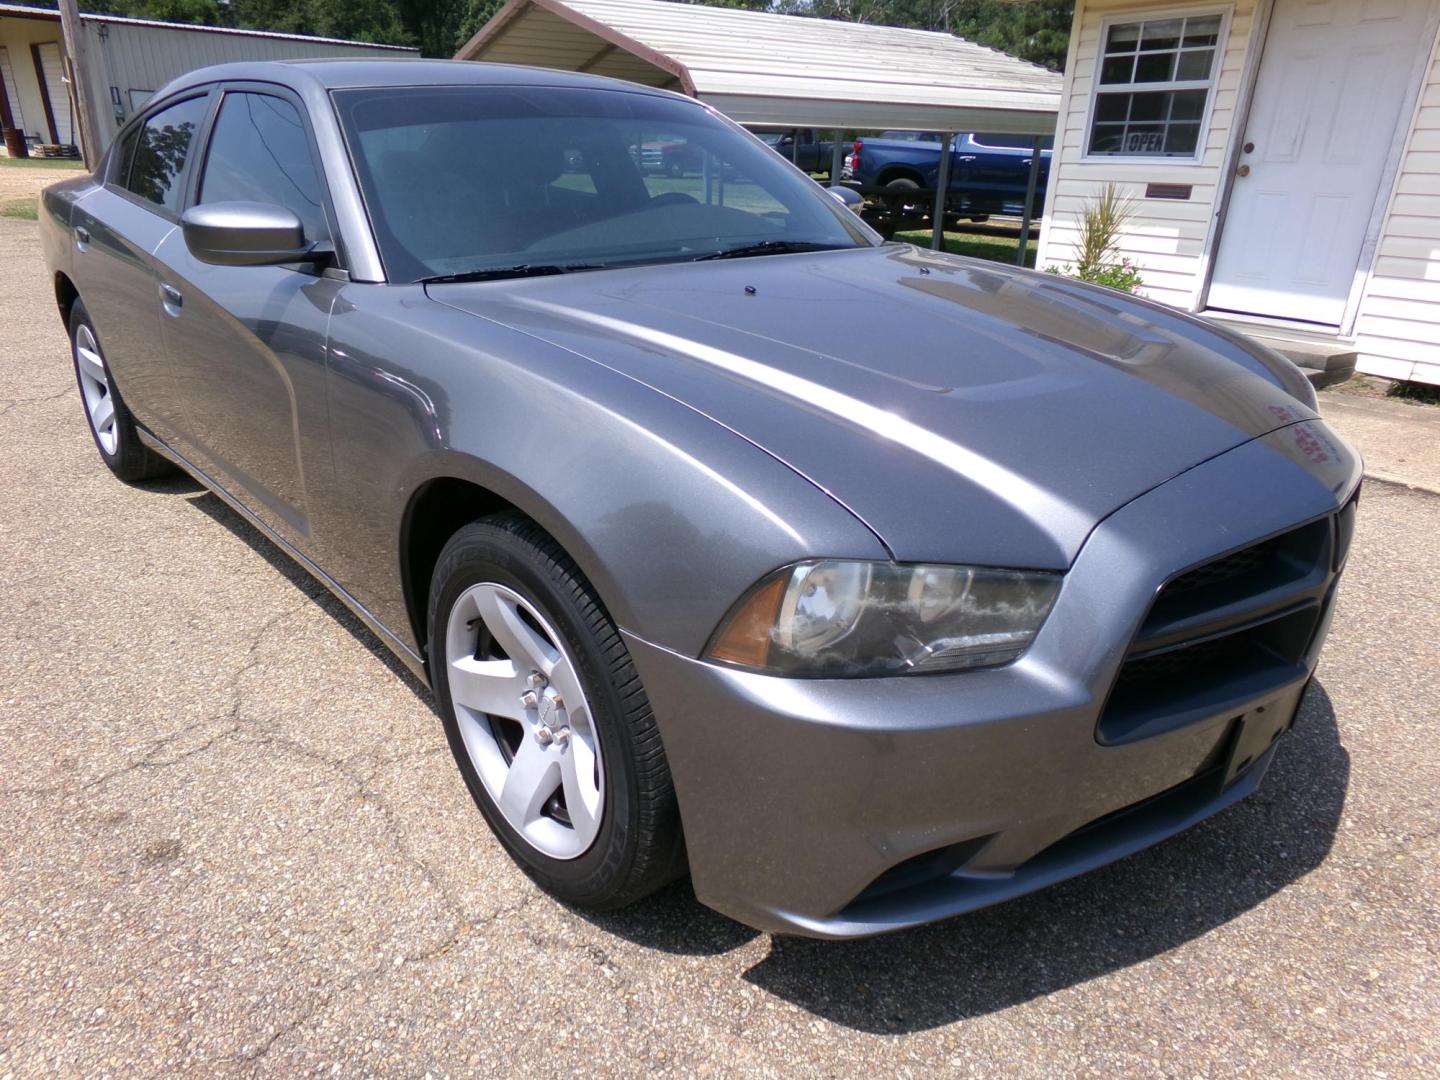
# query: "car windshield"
[492,181]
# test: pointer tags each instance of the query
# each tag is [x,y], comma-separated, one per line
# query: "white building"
[1285,160]
[128,60]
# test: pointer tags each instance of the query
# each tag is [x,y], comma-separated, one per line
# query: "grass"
[20,209]
[994,248]
[1414,393]
[72,164]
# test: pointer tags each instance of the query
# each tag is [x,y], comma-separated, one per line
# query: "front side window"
[161,147]
[490,180]
[1154,84]
[260,152]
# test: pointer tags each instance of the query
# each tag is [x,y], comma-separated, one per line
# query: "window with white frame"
[1153,87]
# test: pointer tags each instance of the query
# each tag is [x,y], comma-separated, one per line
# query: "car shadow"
[219,511]
[1120,915]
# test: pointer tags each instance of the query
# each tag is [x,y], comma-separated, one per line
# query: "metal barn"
[126,61]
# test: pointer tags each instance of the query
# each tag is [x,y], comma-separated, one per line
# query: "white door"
[12,93]
[1333,81]
[59,91]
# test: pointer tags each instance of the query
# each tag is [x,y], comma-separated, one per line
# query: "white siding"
[1398,332]
[1166,239]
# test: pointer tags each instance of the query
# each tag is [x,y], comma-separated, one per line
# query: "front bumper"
[844,808]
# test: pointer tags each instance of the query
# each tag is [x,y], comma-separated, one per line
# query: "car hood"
[964,411]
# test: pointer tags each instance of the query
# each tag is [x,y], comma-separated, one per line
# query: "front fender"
[671,516]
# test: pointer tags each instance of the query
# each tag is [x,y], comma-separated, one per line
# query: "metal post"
[942,189]
[82,104]
[1030,185]
[837,157]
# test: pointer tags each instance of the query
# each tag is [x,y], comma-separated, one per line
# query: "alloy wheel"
[525,720]
[95,388]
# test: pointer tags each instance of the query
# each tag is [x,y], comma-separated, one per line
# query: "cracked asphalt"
[234,843]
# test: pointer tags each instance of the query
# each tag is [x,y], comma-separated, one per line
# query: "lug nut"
[544,736]
[535,681]
[529,699]
[562,737]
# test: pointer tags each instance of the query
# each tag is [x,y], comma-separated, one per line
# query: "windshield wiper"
[519,270]
[769,247]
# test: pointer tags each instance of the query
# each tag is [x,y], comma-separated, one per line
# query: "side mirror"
[245,234]
[846,197]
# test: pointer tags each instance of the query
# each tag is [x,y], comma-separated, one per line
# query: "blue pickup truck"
[988,175]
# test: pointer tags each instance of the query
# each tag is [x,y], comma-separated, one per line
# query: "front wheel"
[547,719]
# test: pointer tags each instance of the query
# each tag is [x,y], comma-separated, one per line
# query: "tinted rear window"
[161,150]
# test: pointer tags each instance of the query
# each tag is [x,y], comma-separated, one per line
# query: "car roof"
[350,74]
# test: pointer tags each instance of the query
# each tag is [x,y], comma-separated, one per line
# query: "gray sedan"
[865,584]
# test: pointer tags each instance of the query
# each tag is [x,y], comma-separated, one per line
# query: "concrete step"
[1325,361]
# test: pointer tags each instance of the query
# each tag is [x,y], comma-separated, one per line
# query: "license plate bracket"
[1254,732]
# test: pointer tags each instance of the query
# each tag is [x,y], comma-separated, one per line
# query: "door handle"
[1243,170]
[967,157]
[82,237]
[171,298]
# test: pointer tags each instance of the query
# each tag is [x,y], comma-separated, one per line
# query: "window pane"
[1161,34]
[1122,38]
[1182,138]
[160,154]
[1154,67]
[1112,106]
[1107,138]
[1117,69]
[1194,66]
[1149,106]
[1145,139]
[259,152]
[1204,31]
[1187,104]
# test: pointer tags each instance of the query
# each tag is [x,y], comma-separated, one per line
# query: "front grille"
[1228,631]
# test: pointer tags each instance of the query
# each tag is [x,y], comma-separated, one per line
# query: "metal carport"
[760,68]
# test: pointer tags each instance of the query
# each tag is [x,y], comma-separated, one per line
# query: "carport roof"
[760,68]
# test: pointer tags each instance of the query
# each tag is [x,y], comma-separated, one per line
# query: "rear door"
[247,343]
[115,230]
[997,170]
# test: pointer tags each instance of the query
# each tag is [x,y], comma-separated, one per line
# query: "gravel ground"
[236,843]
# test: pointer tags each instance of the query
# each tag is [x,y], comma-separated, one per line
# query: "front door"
[246,344]
[1333,83]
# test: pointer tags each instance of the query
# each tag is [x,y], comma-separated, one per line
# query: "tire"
[674,168]
[901,197]
[111,424]
[507,573]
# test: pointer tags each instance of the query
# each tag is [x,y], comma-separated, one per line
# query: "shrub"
[1097,254]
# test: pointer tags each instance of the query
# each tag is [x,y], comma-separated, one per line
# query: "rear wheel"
[111,425]
[901,195]
[547,719]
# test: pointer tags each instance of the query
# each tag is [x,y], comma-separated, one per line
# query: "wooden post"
[81,103]
[942,189]
[1030,185]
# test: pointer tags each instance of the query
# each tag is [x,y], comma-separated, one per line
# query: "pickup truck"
[803,146]
[988,175]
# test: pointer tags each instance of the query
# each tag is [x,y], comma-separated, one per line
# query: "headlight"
[836,618]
